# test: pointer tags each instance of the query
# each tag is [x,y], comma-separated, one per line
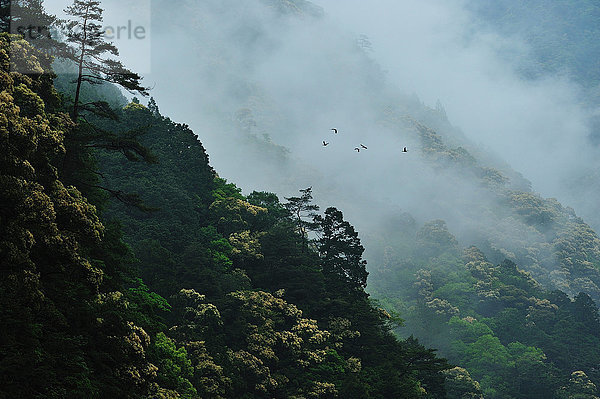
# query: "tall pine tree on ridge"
[87,48]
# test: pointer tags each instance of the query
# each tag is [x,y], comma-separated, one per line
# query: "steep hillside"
[562,34]
[250,307]
[264,123]
[560,40]
[66,326]
[124,244]
[263,114]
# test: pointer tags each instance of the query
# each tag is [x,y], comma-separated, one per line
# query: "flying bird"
[334,130]
[325,143]
[363,146]
[404,150]
[357,149]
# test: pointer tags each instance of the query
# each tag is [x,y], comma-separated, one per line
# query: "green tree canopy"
[341,251]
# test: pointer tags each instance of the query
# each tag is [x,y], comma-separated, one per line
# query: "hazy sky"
[436,49]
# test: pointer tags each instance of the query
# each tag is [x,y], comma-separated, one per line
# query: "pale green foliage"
[277,335]
[133,345]
[207,373]
[234,214]
[442,307]
[30,103]
[23,57]
[425,289]
[434,238]
[135,106]
[579,387]
[246,244]
[460,385]
[200,321]
[340,330]
[200,317]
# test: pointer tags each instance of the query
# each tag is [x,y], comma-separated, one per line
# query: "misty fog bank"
[263,82]
[441,50]
[245,56]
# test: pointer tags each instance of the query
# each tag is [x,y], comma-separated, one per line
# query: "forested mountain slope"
[562,34]
[263,115]
[560,39]
[121,241]
[250,308]
[408,206]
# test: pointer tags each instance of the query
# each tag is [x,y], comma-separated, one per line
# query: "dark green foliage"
[275,210]
[65,330]
[234,243]
[29,20]
[341,252]
[586,313]
[79,166]
[514,338]
[256,308]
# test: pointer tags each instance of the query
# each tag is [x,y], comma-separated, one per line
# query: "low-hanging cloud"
[439,50]
[262,88]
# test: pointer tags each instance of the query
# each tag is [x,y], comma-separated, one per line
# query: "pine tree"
[87,48]
[153,107]
[341,250]
[302,211]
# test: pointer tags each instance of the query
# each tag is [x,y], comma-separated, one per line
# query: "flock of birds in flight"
[357,149]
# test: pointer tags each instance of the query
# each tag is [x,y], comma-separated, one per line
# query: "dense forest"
[131,269]
[245,306]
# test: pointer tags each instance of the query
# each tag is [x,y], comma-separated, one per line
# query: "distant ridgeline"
[516,332]
[497,210]
[205,294]
[546,239]
[562,39]
[562,34]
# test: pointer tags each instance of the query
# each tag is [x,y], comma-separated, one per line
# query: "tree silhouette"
[341,250]
[87,47]
[303,212]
